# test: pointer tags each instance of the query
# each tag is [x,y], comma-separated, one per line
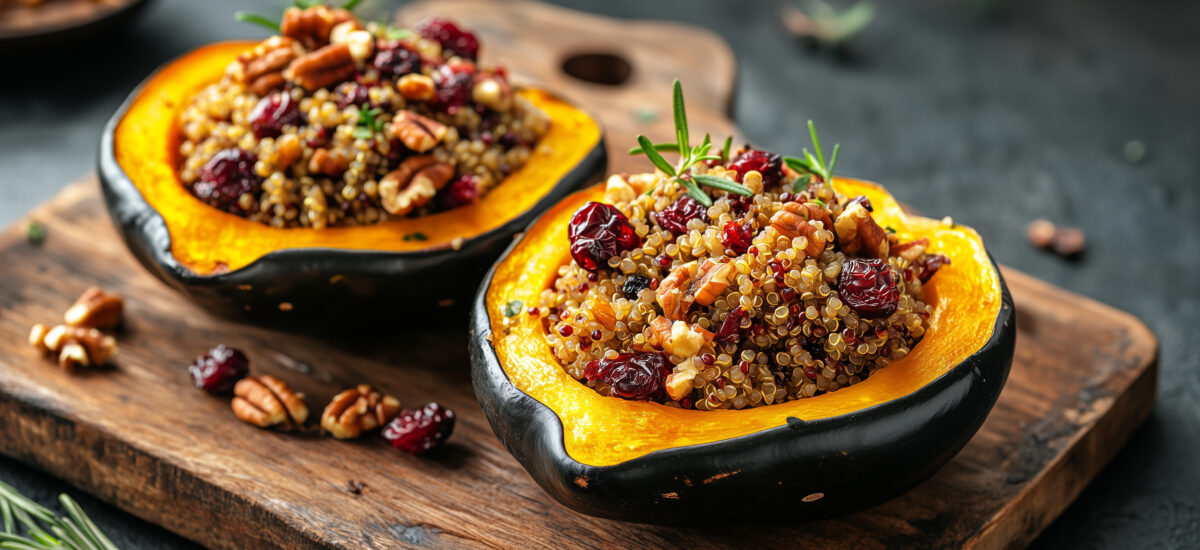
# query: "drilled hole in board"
[598,68]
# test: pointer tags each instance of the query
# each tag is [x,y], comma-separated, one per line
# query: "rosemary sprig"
[247,17]
[813,165]
[689,157]
[369,123]
[44,529]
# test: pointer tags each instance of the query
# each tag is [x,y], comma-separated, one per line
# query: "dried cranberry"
[929,265]
[634,285]
[352,94]
[460,192]
[638,375]
[739,204]
[864,201]
[273,113]
[674,218]
[866,285]
[453,87]
[394,59]
[598,232]
[769,165]
[737,236]
[418,431]
[730,327]
[225,177]
[218,370]
[458,41]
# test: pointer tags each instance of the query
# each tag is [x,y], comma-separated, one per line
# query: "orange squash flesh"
[604,431]
[206,240]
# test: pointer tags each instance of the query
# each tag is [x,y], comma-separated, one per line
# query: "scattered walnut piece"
[322,68]
[858,233]
[331,164]
[312,26]
[416,87]
[261,68]
[266,401]
[911,250]
[417,132]
[679,382]
[74,346]
[1041,233]
[793,220]
[673,293]
[357,410]
[95,308]
[413,184]
[1067,242]
[678,338]
[712,278]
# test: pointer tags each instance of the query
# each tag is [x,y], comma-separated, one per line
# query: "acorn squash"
[803,459]
[238,265]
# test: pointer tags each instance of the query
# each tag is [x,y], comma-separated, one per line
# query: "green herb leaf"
[657,147]
[801,183]
[890,229]
[35,233]
[351,4]
[247,17]
[696,193]
[727,148]
[681,126]
[512,308]
[656,158]
[832,162]
[418,236]
[818,202]
[393,33]
[722,184]
[812,131]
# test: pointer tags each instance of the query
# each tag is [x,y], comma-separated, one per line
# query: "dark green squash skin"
[855,460]
[370,286]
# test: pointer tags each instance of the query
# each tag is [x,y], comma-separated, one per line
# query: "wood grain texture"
[140,436]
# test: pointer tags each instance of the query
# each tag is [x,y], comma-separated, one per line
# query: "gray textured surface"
[996,121]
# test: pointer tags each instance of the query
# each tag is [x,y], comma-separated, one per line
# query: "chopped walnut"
[678,338]
[911,250]
[417,132]
[712,278]
[858,234]
[322,68]
[327,163]
[673,295]
[95,308]
[416,87]
[357,410]
[413,184]
[266,401]
[796,220]
[679,382]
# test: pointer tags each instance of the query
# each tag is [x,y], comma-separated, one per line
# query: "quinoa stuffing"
[774,287]
[334,122]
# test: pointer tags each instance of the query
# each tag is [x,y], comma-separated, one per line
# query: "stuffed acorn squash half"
[337,167]
[738,331]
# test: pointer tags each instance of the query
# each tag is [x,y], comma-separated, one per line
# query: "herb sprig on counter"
[44,529]
[689,157]
[813,165]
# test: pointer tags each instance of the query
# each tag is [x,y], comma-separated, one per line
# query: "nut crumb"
[355,487]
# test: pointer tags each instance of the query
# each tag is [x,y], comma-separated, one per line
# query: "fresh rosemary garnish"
[247,17]
[890,229]
[35,233]
[818,202]
[393,33]
[512,308]
[369,123]
[814,164]
[689,157]
[43,528]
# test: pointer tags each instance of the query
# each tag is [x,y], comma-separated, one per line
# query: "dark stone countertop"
[996,120]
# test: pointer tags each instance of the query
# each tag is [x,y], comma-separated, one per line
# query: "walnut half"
[413,184]
[858,234]
[357,410]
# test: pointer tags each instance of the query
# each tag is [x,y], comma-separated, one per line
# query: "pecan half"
[95,308]
[413,184]
[357,410]
[74,346]
[267,401]
[672,292]
[322,68]
[261,68]
[416,87]
[793,220]
[858,234]
[417,132]
[331,164]
[312,26]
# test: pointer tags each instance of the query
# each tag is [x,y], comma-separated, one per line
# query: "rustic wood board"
[140,436]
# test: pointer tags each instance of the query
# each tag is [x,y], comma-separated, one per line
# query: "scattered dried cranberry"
[218,370]
[634,285]
[598,232]
[730,327]
[462,43]
[864,201]
[453,87]
[929,265]
[638,375]
[737,236]
[273,113]
[394,59]
[460,192]
[769,165]
[350,93]
[418,431]
[866,285]
[225,177]
[739,204]
[674,218]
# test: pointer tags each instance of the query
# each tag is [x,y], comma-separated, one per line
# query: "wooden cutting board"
[139,436]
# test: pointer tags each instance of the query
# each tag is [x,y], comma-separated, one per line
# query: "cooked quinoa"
[281,143]
[793,335]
